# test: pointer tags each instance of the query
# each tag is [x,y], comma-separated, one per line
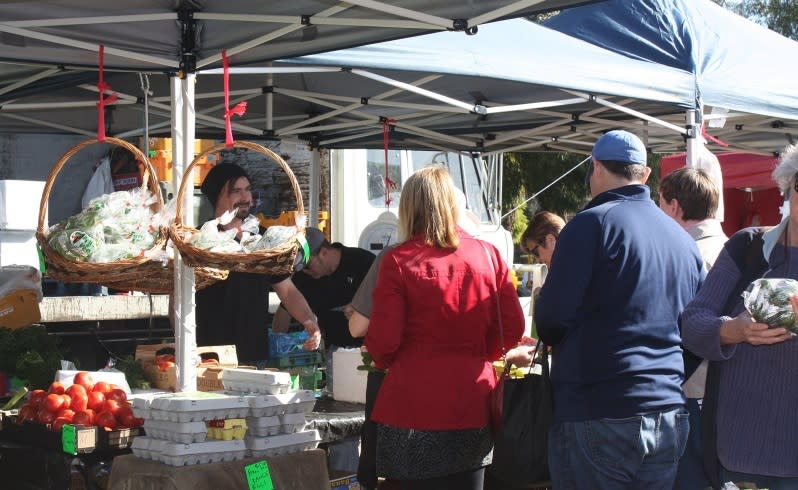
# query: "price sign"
[69,439]
[258,476]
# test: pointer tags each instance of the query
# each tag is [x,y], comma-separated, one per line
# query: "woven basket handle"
[150,179]
[238,144]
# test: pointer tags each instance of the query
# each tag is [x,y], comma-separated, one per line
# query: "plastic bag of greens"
[768,301]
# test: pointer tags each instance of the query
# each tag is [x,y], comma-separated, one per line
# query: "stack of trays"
[256,381]
[194,428]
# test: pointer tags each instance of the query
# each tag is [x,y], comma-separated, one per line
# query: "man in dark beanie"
[236,310]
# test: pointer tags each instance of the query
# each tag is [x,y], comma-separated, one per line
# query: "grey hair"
[784,173]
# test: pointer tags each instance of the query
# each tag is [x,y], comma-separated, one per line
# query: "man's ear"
[646,174]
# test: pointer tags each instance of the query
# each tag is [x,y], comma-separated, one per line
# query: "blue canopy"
[737,64]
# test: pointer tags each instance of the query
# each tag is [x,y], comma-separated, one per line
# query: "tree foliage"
[778,15]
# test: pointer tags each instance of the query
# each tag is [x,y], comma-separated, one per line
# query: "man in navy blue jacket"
[620,276]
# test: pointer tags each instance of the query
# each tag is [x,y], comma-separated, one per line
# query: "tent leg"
[183,120]
[694,140]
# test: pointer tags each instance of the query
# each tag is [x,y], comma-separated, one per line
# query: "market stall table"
[306,470]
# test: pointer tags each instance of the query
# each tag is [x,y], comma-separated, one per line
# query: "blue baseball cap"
[620,146]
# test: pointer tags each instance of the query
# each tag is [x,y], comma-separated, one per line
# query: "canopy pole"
[693,141]
[313,184]
[183,120]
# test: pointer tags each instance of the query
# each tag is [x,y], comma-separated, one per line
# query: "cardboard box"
[211,360]
[345,483]
[349,383]
[19,309]
[20,202]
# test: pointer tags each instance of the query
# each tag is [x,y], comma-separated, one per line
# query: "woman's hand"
[742,328]
[521,355]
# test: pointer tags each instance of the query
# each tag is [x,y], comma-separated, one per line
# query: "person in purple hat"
[620,276]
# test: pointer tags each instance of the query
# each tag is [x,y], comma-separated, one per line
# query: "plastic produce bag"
[768,301]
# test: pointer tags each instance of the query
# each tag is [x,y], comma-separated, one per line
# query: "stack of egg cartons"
[177,427]
[277,414]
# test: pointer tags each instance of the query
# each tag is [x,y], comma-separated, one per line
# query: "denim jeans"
[690,475]
[640,452]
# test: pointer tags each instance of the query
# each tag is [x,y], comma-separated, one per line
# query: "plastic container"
[198,406]
[259,447]
[185,432]
[256,381]
[227,430]
[282,344]
[178,454]
[301,401]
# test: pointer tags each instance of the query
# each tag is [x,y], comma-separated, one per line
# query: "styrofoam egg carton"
[259,447]
[140,403]
[292,422]
[264,426]
[176,431]
[147,447]
[300,401]
[180,454]
[227,429]
[198,406]
[256,381]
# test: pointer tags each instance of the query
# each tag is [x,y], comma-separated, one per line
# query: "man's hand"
[348,310]
[314,334]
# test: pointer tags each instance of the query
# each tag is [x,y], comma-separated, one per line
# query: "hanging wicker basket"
[274,261]
[66,270]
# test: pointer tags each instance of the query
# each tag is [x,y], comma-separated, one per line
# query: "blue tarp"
[737,64]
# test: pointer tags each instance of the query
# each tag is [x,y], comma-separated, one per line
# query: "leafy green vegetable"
[768,301]
[134,372]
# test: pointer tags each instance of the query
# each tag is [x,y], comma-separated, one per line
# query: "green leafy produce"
[134,372]
[768,301]
[30,353]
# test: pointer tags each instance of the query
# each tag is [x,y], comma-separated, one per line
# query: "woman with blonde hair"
[435,327]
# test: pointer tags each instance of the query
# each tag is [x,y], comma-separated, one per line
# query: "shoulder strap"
[496,296]
[746,250]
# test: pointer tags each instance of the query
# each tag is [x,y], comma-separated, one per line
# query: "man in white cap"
[621,274]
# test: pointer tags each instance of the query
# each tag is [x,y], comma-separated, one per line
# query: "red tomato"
[65,414]
[58,423]
[46,416]
[84,417]
[138,421]
[27,412]
[79,401]
[95,400]
[102,387]
[76,390]
[67,401]
[106,419]
[117,394]
[125,416]
[56,387]
[36,397]
[112,406]
[52,403]
[84,378]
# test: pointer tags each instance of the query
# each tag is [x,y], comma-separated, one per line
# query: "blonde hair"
[785,171]
[428,206]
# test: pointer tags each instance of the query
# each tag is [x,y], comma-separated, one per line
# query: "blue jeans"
[640,452]
[690,475]
[762,481]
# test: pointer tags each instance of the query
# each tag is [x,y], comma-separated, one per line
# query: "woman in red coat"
[434,327]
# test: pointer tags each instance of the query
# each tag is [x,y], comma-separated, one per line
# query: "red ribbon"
[238,110]
[386,136]
[102,87]
[711,138]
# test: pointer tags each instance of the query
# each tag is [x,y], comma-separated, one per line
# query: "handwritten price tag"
[258,476]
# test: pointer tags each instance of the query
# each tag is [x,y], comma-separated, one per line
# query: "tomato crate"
[37,435]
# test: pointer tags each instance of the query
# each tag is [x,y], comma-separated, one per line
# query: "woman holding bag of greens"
[751,387]
[434,327]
